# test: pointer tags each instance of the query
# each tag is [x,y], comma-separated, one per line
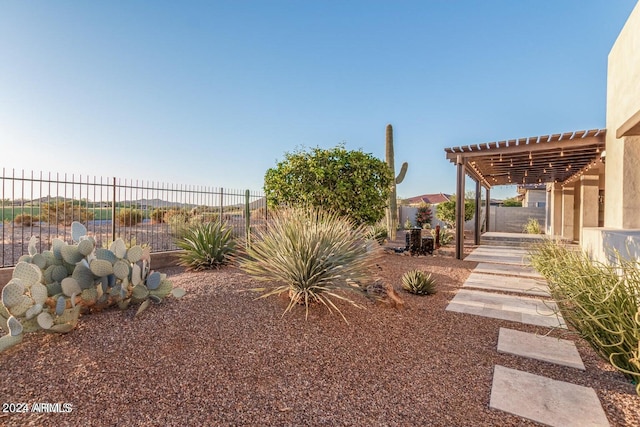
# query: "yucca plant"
[311,254]
[206,246]
[416,282]
[601,301]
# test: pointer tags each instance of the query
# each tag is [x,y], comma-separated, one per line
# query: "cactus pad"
[140,292]
[25,258]
[30,325]
[143,307]
[70,316]
[54,288]
[90,295]
[21,308]
[155,298]
[85,247]
[153,281]
[62,328]
[45,321]
[39,293]
[77,231]
[146,254]
[58,272]
[12,293]
[134,254]
[33,248]
[106,254]
[39,260]
[9,341]
[70,286]
[61,305]
[51,258]
[119,248]
[15,327]
[28,273]
[101,267]
[136,275]
[84,276]
[178,292]
[33,311]
[71,254]
[121,269]
[163,290]
[56,247]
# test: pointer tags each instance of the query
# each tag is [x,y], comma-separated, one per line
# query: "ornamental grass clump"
[600,301]
[419,283]
[206,246]
[311,254]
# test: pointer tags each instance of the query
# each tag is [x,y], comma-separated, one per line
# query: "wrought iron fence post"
[247,218]
[221,201]
[113,211]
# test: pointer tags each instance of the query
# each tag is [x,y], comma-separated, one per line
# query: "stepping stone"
[539,347]
[507,307]
[547,401]
[498,256]
[507,269]
[521,285]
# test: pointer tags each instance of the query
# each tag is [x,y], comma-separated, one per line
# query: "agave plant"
[206,246]
[416,282]
[311,254]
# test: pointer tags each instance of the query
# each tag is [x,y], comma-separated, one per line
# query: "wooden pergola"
[558,158]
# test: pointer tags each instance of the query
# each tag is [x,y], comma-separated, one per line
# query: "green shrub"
[207,246]
[600,301]
[416,282]
[311,254]
[24,220]
[64,213]
[532,227]
[178,221]
[128,217]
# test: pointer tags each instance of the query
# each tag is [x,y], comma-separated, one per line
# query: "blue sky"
[214,93]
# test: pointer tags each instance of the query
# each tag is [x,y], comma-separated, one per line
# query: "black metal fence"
[140,212]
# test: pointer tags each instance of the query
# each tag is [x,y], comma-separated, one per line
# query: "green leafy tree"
[512,202]
[446,211]
[351,183]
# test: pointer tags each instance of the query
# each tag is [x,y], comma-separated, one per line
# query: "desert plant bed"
[218,356]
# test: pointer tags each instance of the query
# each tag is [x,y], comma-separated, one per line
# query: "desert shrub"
[311,254]
[377,232]
[407,224]
[423,215]
[532,227]
[600,301]
[129,217]
[204,217]
[416,282]
[446,236]
[64,213]
[178,221]
[206,246]
[157,215]
[24,220]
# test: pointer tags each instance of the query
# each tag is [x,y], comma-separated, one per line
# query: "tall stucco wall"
[622,187]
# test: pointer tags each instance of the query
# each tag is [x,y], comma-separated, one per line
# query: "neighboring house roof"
[432,199]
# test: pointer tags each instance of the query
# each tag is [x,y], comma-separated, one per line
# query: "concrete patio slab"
[547,349]
[521,285]
[507,269]
[547,401]
[508,307]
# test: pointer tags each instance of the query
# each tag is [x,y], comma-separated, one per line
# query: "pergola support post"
[460,207]
[476,234]
[487,215]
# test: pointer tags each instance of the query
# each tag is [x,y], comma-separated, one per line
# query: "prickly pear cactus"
[392,209]
[49,291]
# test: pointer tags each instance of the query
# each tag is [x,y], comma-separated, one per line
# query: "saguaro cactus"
[392,209]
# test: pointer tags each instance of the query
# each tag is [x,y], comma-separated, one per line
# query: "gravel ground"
[219,357]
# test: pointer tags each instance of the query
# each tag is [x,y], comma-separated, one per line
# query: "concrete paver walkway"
[500,279]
